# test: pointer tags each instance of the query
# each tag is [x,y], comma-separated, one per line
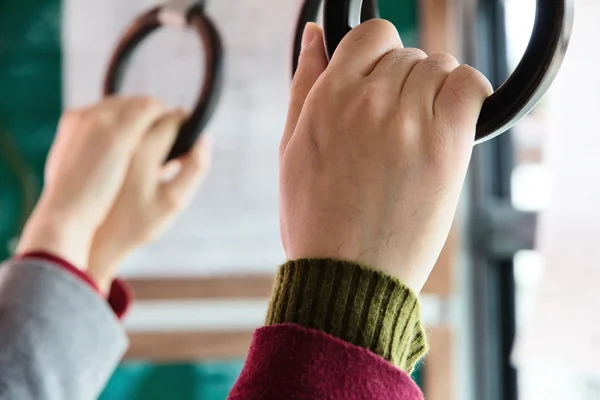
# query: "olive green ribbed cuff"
[364,307]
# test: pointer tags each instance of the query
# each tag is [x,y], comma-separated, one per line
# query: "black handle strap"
[517,96]
[206,104]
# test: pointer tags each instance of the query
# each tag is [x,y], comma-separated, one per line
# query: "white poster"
[232,224]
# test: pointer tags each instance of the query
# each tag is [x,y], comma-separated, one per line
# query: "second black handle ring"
[209,96]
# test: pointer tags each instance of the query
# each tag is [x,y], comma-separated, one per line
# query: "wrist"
[51,232]
[102,274]
[102,280]
[352,302]
[103,263]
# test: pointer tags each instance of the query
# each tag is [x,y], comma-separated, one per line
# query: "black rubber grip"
[517,96]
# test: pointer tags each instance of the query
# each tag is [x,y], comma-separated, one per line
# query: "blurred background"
[528,218]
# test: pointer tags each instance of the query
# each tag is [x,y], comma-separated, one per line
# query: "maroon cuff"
[312,364]
[120,296]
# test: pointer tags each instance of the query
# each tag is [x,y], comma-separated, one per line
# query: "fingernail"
[309,34]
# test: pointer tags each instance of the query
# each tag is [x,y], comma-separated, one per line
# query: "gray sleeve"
[58,339]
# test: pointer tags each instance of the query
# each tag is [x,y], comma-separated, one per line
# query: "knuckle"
[444,58]
[465,74]
[414,54]
[103,117]
[461,83]
[144,104]
[401,55]
[168,124]
[379,29]
[104,123]
[438,63]
[467,83]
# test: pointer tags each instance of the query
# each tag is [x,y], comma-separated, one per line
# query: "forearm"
[60,340]
[51,232]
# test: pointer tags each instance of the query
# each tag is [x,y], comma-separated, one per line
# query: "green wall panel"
[140,381]
[30,100]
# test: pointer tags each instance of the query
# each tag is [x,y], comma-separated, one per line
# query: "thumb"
[188,171]
[311,64]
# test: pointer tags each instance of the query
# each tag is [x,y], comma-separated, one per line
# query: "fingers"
[162,135]
[396,66]
[311,65]
[425,82]
[128,118]
[461,97]
[363,48]
[177,191]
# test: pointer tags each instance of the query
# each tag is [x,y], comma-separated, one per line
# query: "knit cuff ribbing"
[364,307]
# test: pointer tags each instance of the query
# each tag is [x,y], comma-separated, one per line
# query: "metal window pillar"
[495,230]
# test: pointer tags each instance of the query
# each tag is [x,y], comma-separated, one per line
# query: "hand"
[375,151]
[151,197]
[85,170]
